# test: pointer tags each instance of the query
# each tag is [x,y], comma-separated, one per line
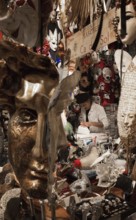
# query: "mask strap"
[95,44]
[72,207]
[42,206]
[41,25]
[53,205]
[123,18]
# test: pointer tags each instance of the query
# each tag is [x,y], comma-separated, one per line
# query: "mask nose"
[126,121]
[40,149]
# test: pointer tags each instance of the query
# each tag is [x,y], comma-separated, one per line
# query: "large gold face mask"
[27,154]
[35,129]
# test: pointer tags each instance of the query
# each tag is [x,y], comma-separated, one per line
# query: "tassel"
[104,6]
[42,205]
[77,163]
[31,207]
[123,20]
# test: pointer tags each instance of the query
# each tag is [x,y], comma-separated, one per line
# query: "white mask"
[130,25]
[54,39]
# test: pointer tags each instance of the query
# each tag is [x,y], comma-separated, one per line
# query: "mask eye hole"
[131,116]
[27,116]
[129,17]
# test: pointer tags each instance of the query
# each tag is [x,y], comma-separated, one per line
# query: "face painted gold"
[28,152]
[35,129]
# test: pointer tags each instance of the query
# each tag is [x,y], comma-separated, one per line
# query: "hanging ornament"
[82,10]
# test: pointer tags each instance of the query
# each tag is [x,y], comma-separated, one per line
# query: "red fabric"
[1,35]
[45,49]
[106,91]
[69,144]
[77,163]
[100,65]
[125,172]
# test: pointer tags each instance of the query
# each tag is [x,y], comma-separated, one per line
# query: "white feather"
[101,158]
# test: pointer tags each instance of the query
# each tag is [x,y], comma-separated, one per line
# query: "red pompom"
[77,163]
[1,35]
